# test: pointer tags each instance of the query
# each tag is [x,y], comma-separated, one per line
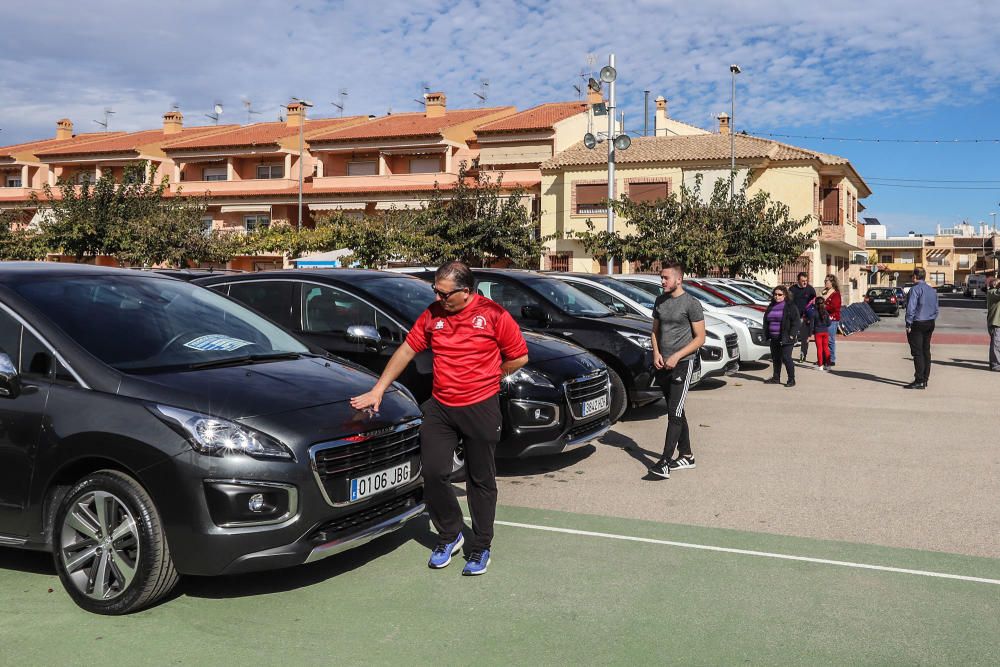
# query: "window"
[257,221]
[12,180]
[425,165]
[831,206]
[963,261]
[591,199]
[215,174]
[511,296]
[37,361]
[206,225]
[612,302]
[559,261]
[362,168]
[270,298]
[82,177]
[873,236]
[328,310]
[270,171]
[937,278]
[648,192]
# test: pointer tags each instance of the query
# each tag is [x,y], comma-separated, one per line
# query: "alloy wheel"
[99,545]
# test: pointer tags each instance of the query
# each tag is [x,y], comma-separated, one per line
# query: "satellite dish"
[594,85]
[622,142]
[589,140]
[218,108]
[608,74]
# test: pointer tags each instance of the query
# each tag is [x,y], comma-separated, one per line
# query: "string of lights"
[878,140]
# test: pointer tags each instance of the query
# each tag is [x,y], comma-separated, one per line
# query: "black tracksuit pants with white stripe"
[675,383]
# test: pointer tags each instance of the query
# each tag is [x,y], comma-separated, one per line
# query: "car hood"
[627,322]
[542,348]
[241,392]
[744,311]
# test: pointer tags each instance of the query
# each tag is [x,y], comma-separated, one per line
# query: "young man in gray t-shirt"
[678,334]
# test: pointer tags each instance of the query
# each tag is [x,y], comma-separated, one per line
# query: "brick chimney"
[64,128]
[435,105]
[723,123]
[173,122]
[296,114]
[660,120]
[594,96]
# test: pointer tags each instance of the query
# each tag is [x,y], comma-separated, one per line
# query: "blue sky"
[889,70]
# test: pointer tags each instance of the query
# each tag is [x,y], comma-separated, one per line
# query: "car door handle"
[567,333]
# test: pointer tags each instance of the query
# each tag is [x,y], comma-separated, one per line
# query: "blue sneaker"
[479,560]
[442,553]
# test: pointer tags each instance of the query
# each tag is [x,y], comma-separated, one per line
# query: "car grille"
[582,389]
[732,343]
[336,463]
[366,518]
[583,430]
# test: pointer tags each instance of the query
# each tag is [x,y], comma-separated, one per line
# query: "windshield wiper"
[239,361]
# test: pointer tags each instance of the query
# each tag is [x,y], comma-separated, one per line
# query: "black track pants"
[919,338]
[478,428]
[675,383]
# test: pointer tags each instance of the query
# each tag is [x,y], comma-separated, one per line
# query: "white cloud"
[802,62]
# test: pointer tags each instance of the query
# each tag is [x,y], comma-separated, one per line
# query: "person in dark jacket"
[802,295]
[782,322]
[819,325]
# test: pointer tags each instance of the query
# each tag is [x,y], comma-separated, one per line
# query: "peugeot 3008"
[153,428]
[559,401]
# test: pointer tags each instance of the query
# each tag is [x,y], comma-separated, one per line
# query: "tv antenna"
[425,88]
[484,89]
[248,105]
[106,123]
[343,101]
[216,112]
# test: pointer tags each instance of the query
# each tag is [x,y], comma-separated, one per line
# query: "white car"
[747,322]
[719,355]
[735,290]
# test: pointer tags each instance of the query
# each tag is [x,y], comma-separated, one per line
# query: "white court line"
[747,552]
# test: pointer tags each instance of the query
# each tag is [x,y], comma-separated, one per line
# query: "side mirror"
[366,335]
[10,381]
[533,312]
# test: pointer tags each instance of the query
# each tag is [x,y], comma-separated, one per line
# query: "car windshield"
[627,289]
[705,297]
[754,291]
[882,292]
[653,289]
[144,324]
[738,297]
[410,296]
[568,298]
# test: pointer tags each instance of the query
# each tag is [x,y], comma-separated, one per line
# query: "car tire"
[102,573]
[895,313]
[619,396]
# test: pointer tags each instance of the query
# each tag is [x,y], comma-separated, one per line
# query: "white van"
[975,286]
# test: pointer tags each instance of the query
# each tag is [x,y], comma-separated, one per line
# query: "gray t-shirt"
[676,314]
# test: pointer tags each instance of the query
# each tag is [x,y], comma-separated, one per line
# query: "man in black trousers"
[921,313]
[802,295]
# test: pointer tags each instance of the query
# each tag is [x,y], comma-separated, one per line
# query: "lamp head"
[589,140]
[622,142]
[735,69]
[608,74]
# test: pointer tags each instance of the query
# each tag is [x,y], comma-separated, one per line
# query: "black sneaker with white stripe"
[681,463]
[661,469]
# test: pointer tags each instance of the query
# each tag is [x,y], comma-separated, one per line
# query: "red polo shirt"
[468,347]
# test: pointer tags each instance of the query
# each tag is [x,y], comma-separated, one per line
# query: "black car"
[154,428]
[885,300]
[558,401]
[548,305]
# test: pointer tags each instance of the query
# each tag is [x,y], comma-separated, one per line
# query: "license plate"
[880,301]
[377,482]
[594,405]
[734,352]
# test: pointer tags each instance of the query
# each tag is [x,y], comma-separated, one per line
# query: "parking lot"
[841,521]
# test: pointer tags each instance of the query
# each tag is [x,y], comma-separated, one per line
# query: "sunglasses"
[781,294]
[445,295]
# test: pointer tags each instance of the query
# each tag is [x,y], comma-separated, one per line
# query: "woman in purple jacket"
[781,324]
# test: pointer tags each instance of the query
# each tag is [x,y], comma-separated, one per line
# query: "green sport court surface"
[648,595]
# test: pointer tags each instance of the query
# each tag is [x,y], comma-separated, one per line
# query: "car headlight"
[642,340]
[529,376]
[220,437]
[748,322]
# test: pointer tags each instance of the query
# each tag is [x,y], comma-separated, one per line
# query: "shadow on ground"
[35,562]
[869,377]
[972,364]
[539,465]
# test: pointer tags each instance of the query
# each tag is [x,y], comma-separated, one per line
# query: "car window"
[10,338]
[630,290]
[568,298]
[703,296]
[609,300]
[37,361]
[511,296]
[649,288]
[328,310]
[409,296]
[271,298]
[138,323]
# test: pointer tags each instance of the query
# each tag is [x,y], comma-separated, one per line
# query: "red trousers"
[822,349]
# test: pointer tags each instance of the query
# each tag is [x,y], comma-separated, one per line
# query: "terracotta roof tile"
[542,117]
[79,140]
[689,148]
[404,125]
[123,143]
[26,147]
[258,134]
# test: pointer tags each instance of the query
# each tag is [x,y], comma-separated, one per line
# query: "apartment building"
[358,165]
[826,188]
[949,256]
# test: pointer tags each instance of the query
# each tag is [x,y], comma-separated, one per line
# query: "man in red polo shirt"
[475,343]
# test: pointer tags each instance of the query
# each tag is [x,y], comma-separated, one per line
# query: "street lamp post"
[302,123]
[734,69]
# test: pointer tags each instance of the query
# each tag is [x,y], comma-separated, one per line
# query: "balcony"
[376,183]
[837,234]
[241,185]
[901,267]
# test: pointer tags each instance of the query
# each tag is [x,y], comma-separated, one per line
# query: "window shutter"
[648,192]
[831,205]
[589,198]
